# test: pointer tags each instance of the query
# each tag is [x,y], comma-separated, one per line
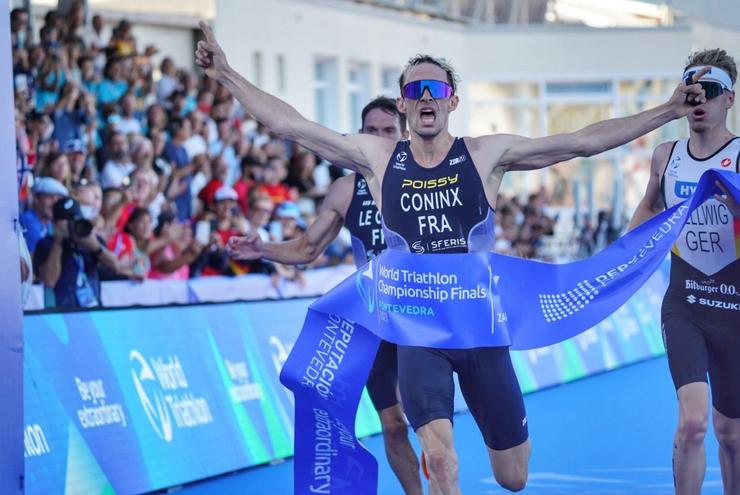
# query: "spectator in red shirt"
[219,172]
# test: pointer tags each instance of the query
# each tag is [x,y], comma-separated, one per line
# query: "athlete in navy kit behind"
[441,218]
[702,305]
[349,202]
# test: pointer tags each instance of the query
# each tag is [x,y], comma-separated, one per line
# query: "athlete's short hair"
[715,57]
[388,106]
[442,63]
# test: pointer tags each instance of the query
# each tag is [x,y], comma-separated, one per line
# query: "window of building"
[358,91]
[325,92]
[389,81]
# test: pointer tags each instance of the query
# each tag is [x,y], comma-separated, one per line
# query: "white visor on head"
[715,74]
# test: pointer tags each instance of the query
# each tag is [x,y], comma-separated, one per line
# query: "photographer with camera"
[67,261]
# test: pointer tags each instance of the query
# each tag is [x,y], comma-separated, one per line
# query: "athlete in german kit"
[702,305]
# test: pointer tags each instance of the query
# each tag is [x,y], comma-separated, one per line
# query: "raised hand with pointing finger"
[209,55]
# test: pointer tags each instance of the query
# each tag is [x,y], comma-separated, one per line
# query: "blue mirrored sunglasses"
[437,89]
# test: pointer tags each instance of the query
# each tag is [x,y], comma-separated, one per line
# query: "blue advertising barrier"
[128,401]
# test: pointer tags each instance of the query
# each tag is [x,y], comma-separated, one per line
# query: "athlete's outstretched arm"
[348,151]
[308,246]
[527,154]
[652,203]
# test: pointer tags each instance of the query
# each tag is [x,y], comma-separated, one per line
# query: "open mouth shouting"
[428,116]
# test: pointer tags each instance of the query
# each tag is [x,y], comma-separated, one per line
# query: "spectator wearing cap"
[119,166]
[67,261]
[37,220]
[76,155]
[289,223]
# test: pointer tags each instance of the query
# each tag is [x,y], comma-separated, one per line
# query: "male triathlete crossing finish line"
[427,98]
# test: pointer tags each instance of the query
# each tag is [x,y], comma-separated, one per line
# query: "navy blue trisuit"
[444,209]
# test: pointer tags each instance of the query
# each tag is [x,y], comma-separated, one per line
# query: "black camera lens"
[81,227]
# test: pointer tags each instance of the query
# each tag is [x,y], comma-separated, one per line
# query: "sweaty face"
[380,123]
[426,116]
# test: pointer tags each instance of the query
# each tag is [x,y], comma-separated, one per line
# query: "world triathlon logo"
[361,187]
[401,156]
[147,387]
[556,307]
[366,287]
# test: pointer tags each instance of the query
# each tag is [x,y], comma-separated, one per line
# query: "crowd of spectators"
[521,227]
[131,170]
